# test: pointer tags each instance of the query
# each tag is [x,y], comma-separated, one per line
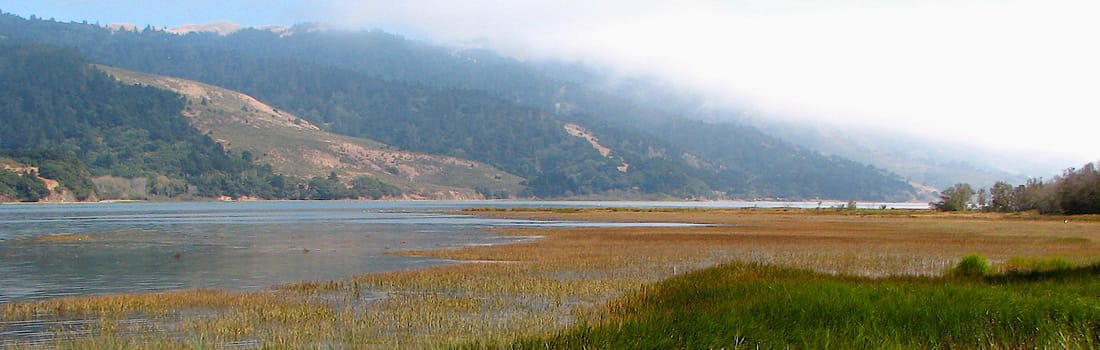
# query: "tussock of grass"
[973,265]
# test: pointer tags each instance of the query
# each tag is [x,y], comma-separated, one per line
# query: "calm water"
[243,246]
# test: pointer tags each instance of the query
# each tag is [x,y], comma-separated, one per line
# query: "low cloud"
[1006,74]
[1013,75]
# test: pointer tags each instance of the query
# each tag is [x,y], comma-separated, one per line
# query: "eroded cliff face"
[58,194]
[447,195]
[580,131]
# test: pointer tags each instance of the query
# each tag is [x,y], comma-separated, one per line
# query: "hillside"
[480,106]
[940,166]
[68,122]
[297,148]
[20,182]
[925,163]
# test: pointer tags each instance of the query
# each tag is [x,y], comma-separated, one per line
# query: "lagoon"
[52,250]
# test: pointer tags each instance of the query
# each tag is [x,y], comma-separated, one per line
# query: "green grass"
[1024,265]
[973,265]
[753,306]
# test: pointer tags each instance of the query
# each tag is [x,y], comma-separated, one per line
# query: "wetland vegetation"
[752,306]
[807,278]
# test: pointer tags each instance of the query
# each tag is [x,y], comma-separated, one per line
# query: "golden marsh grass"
[539,286]
[65,238]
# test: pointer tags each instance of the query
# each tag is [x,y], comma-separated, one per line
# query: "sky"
[1012,76]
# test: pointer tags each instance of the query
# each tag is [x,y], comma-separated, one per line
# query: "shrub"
[973,265]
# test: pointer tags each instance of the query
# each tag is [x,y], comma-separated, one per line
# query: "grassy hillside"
[295,147]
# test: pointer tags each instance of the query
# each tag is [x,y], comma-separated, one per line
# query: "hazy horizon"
[1008,76]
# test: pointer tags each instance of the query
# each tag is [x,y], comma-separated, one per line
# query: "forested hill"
[479,106]
[71,132]
[71,123]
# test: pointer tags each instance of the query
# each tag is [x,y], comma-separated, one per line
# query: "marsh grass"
[74,238]
[63,238]
[1018,265]
[753,306]
[532,289]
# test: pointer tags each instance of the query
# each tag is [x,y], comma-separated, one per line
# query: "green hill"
[72,123]
[72,132]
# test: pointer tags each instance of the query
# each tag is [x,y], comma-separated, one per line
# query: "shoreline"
[540,203]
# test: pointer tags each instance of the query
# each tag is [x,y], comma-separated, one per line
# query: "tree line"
[1076,191]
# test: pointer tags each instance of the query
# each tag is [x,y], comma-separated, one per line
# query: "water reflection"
[79,249]
[58,250]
